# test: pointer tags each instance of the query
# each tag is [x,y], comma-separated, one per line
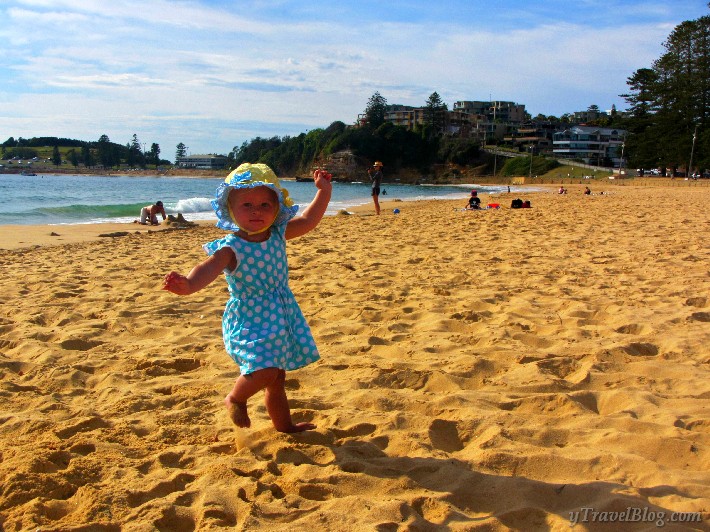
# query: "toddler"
[263,327]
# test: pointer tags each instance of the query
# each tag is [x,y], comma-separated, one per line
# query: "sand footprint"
[316,492]
[634,328]
[401,379]
[639,349]
[162,366]
[699,302]
[700,316]
[160,490]
[79,344]
[444,435]
[175,518]
[85,425]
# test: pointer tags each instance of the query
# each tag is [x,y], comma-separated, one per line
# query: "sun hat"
[378,163]
[249,175]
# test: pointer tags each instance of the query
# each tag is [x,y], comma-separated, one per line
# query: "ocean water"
[57,199]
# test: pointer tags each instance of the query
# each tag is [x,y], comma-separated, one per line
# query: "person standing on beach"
[376,178]
[151,212]
[263,327]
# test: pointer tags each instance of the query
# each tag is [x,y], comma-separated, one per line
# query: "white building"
[203,162]
[593,145]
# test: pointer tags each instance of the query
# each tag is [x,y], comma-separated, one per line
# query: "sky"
[213,74]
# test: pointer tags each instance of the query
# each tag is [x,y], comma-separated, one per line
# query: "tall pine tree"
[670,100]
[375,110]
[435,113]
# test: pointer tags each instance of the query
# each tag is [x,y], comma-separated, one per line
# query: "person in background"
[150,212]
[376,178]
[587,191]
[474,202]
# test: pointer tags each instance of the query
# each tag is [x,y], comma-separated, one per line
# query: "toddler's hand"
[176,283]
[321,178]
[321,173]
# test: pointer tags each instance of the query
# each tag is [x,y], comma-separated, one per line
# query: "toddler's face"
[254,209]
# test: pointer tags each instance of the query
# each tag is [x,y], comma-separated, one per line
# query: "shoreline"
[22,236]
[31,236]
[548,179]
[16,237]
[184,195]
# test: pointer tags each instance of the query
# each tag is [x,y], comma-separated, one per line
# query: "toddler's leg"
[277,406]
[244,387]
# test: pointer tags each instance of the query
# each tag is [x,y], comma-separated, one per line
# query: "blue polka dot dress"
[263,326]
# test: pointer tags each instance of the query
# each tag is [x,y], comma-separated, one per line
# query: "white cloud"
[213,77]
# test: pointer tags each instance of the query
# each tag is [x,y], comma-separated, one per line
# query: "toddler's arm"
[312,214]
[201,275]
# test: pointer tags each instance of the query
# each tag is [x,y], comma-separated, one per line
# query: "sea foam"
[192,205]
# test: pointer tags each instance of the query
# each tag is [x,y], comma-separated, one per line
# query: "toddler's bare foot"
[237,413]
[299,427]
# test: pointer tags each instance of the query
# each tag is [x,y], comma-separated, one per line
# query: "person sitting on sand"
[474,202]
[587,191]
[263,327]
[150,212]
[562,190]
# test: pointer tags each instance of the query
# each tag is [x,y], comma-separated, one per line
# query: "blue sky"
[216,73]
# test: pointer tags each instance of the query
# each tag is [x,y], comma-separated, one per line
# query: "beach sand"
[489,370]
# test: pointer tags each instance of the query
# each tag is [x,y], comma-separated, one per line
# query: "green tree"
[155,154]
[87,157]
[73,157]
[460,151]
[435,113]
[180,151]
[254,150]
[641,144]
[376,110]
[105,152]
[56,157]
[135,154]
[671,99]
[130,156]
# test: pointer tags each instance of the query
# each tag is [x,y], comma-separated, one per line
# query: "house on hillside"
[593,145]
[494,111]
[532,133]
